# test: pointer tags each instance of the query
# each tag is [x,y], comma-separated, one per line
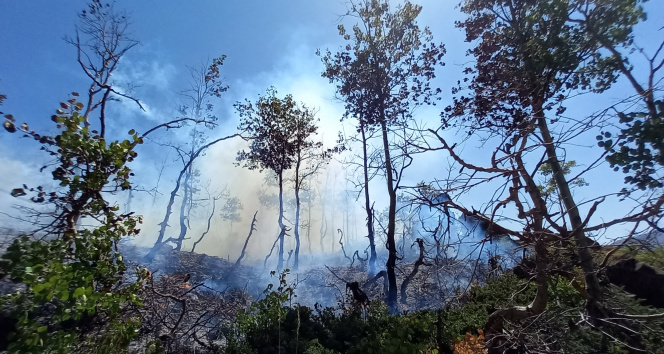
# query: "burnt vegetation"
[516,249]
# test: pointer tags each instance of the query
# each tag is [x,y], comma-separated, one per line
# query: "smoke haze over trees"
[365,175]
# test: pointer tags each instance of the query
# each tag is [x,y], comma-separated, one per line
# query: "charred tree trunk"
[169,208]
[420,261]
[246,242]
[381,274]
[271,250]
[164,224]
[391,224]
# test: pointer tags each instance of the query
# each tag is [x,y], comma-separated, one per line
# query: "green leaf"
[78,292]
[42,329]
[38,288]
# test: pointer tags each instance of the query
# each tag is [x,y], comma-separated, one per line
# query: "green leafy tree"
[74,277]
[382,73]
[278,129]
[308,160]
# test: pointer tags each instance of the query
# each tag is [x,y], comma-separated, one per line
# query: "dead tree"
[419,262]
[341,237]
[246,242]
[102,39]
[271,250]
[379,275]
[169,207]
[209,222]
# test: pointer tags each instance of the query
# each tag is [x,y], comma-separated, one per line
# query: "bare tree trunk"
[282,227]
[246,242]
[271,250]
[296,262]
[309,222]
[186,196]
[164,224]
[391,245]
[209,222]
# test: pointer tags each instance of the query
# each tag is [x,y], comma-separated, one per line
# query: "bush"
[74,285]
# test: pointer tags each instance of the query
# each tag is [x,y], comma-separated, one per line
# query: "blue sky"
[267,43]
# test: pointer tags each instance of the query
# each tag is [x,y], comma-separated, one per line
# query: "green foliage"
[560,323]
[549,185]
[273,124]
[386,66]
[639,147]
[649,332]
[74,277]
[538,51]
[475,313]
[262,325]
[271,327]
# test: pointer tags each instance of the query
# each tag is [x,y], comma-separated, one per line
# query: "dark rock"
[639,279]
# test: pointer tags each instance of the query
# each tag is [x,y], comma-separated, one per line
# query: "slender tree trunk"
[391,224]
[518,313]
[323,225]
[309,222]
[164,224]
[282,227]
[583,243]
[186,196]
[296,262]
[334,209]
[209,223]
[169,207]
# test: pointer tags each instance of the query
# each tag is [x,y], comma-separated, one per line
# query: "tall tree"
[308,160]
[231,211]
[530,57]
[382,73]
[205,83]
[271,123]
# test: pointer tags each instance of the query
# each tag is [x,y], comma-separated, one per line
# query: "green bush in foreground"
[74,287]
